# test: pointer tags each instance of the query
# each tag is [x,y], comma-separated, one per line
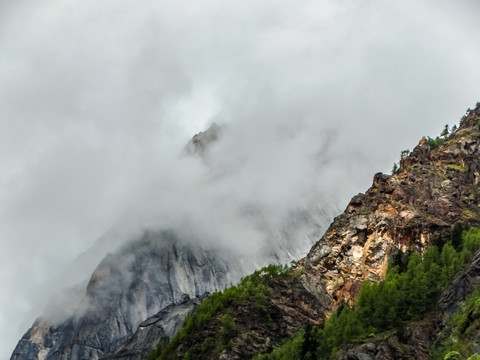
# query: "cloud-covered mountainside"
[387,281]
[99,97]
[158,273]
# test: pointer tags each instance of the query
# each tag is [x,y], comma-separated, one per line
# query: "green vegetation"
[410,290]
[228,329]
[457,167]
[253,291]
[445,132]
[404,154]
[303,346]
[394,168]
[461,330]
[434,143]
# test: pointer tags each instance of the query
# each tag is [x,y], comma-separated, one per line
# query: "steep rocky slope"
[435,188]
[417,339]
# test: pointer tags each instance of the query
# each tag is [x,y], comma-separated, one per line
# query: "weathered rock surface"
[127,288]
[150,332]
[258,329]
[201,141]
[461,286]
[433,190]
[416,340]
[146,277]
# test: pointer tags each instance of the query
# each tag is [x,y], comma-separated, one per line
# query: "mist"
[98,100]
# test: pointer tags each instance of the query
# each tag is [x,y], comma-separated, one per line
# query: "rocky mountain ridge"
[433,190]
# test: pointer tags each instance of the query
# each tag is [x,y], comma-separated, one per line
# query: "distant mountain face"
[201,141]
[142,292]
[128,287]
[131,289]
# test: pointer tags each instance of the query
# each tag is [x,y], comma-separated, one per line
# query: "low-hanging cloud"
[99,98]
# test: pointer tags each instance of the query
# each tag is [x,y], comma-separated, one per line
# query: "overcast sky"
[97,99]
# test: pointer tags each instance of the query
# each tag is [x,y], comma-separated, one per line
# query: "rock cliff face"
[201,141]
[161,326]
[150,284]
[147,284]
[433,190]
[127,288]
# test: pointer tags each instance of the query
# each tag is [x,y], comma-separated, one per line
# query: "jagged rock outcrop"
[433,190]
[201,141]
[150,332]
[414,342]
[261,322]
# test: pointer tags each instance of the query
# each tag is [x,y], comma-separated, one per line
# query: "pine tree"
[445,132]
[395,168]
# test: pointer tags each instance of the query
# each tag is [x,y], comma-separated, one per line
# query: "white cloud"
[98,98]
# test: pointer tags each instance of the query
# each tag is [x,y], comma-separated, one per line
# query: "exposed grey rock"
[128,287]
[148,280]
[202,140]
[461,286]
[153,330]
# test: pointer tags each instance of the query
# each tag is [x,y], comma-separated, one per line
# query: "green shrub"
[228,329]
[452,355]
[434,143]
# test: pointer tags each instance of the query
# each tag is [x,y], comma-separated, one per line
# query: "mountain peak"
[471,119]
[201,141]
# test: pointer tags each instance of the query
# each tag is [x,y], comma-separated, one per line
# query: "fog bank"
[98,100]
